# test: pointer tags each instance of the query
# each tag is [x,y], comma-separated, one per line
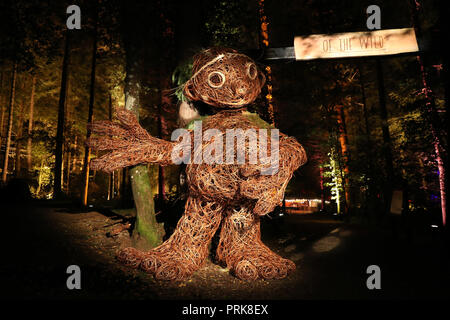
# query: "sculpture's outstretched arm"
[127,142]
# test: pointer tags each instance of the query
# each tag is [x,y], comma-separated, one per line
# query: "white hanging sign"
[355,44]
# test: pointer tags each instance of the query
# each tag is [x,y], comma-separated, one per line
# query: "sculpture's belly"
[214,181]
[224,180]
[211,179]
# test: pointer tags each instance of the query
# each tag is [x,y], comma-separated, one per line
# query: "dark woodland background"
[362,145]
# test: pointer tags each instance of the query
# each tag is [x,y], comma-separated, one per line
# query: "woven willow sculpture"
[232,195]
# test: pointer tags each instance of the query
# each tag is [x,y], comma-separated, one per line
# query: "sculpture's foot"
[187,248]
[171,265]
[241,249]
[130,257]
[258,261]
[164,262]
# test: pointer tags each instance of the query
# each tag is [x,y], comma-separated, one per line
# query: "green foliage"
[232,23]
[256,119]
[180,76]
[224,24]
[334,177]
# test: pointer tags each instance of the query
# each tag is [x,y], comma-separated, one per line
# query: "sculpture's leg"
[186,250]
[241,249]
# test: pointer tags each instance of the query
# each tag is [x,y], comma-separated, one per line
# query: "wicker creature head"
[224,78]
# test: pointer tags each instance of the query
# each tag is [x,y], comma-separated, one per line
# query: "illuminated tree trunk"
[73,157]
[432,117]
[87,150]
[2,120]
[68,160]
[148,233]
[443,22]
[111,175]
[30,125]
[41,168]
[111,186]
[57,188]
[322,189]
[19,136]
[68,168]
[118,185]
[337,183]
[2,117]
[343,141]
[437,143]
[10,123]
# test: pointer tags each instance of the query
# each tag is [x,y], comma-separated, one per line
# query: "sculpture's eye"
[216,79]
[252,71]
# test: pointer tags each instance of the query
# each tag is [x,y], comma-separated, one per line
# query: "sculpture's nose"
[242,91]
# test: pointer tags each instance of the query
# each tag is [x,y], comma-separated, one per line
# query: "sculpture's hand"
[127,142]
[268,190]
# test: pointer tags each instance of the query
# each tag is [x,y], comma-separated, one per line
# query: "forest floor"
[41,241]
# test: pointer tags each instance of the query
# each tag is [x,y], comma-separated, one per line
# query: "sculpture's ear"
[262,79]
[188,91]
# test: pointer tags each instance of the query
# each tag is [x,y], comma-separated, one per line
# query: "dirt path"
[51,239]
[331,257]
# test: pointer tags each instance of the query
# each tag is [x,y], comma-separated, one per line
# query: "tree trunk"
[67,157]
[19,136]
[437,142]
[126,194]
[57,191]
[3,108]
[38,190]
[390,176]
[161,185]
[322,190]
[30,125]
[366,117]
[432,117]
[125,188]
[74,157]
[166,64]
[111,175]
[94,173]
[118,184]
[444,26]
[2,122]
[111,186]
[343,141]
[87,150]
[369,147]
[65,174]
[10,123]
[147,232]
[2,119]
[68,168]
